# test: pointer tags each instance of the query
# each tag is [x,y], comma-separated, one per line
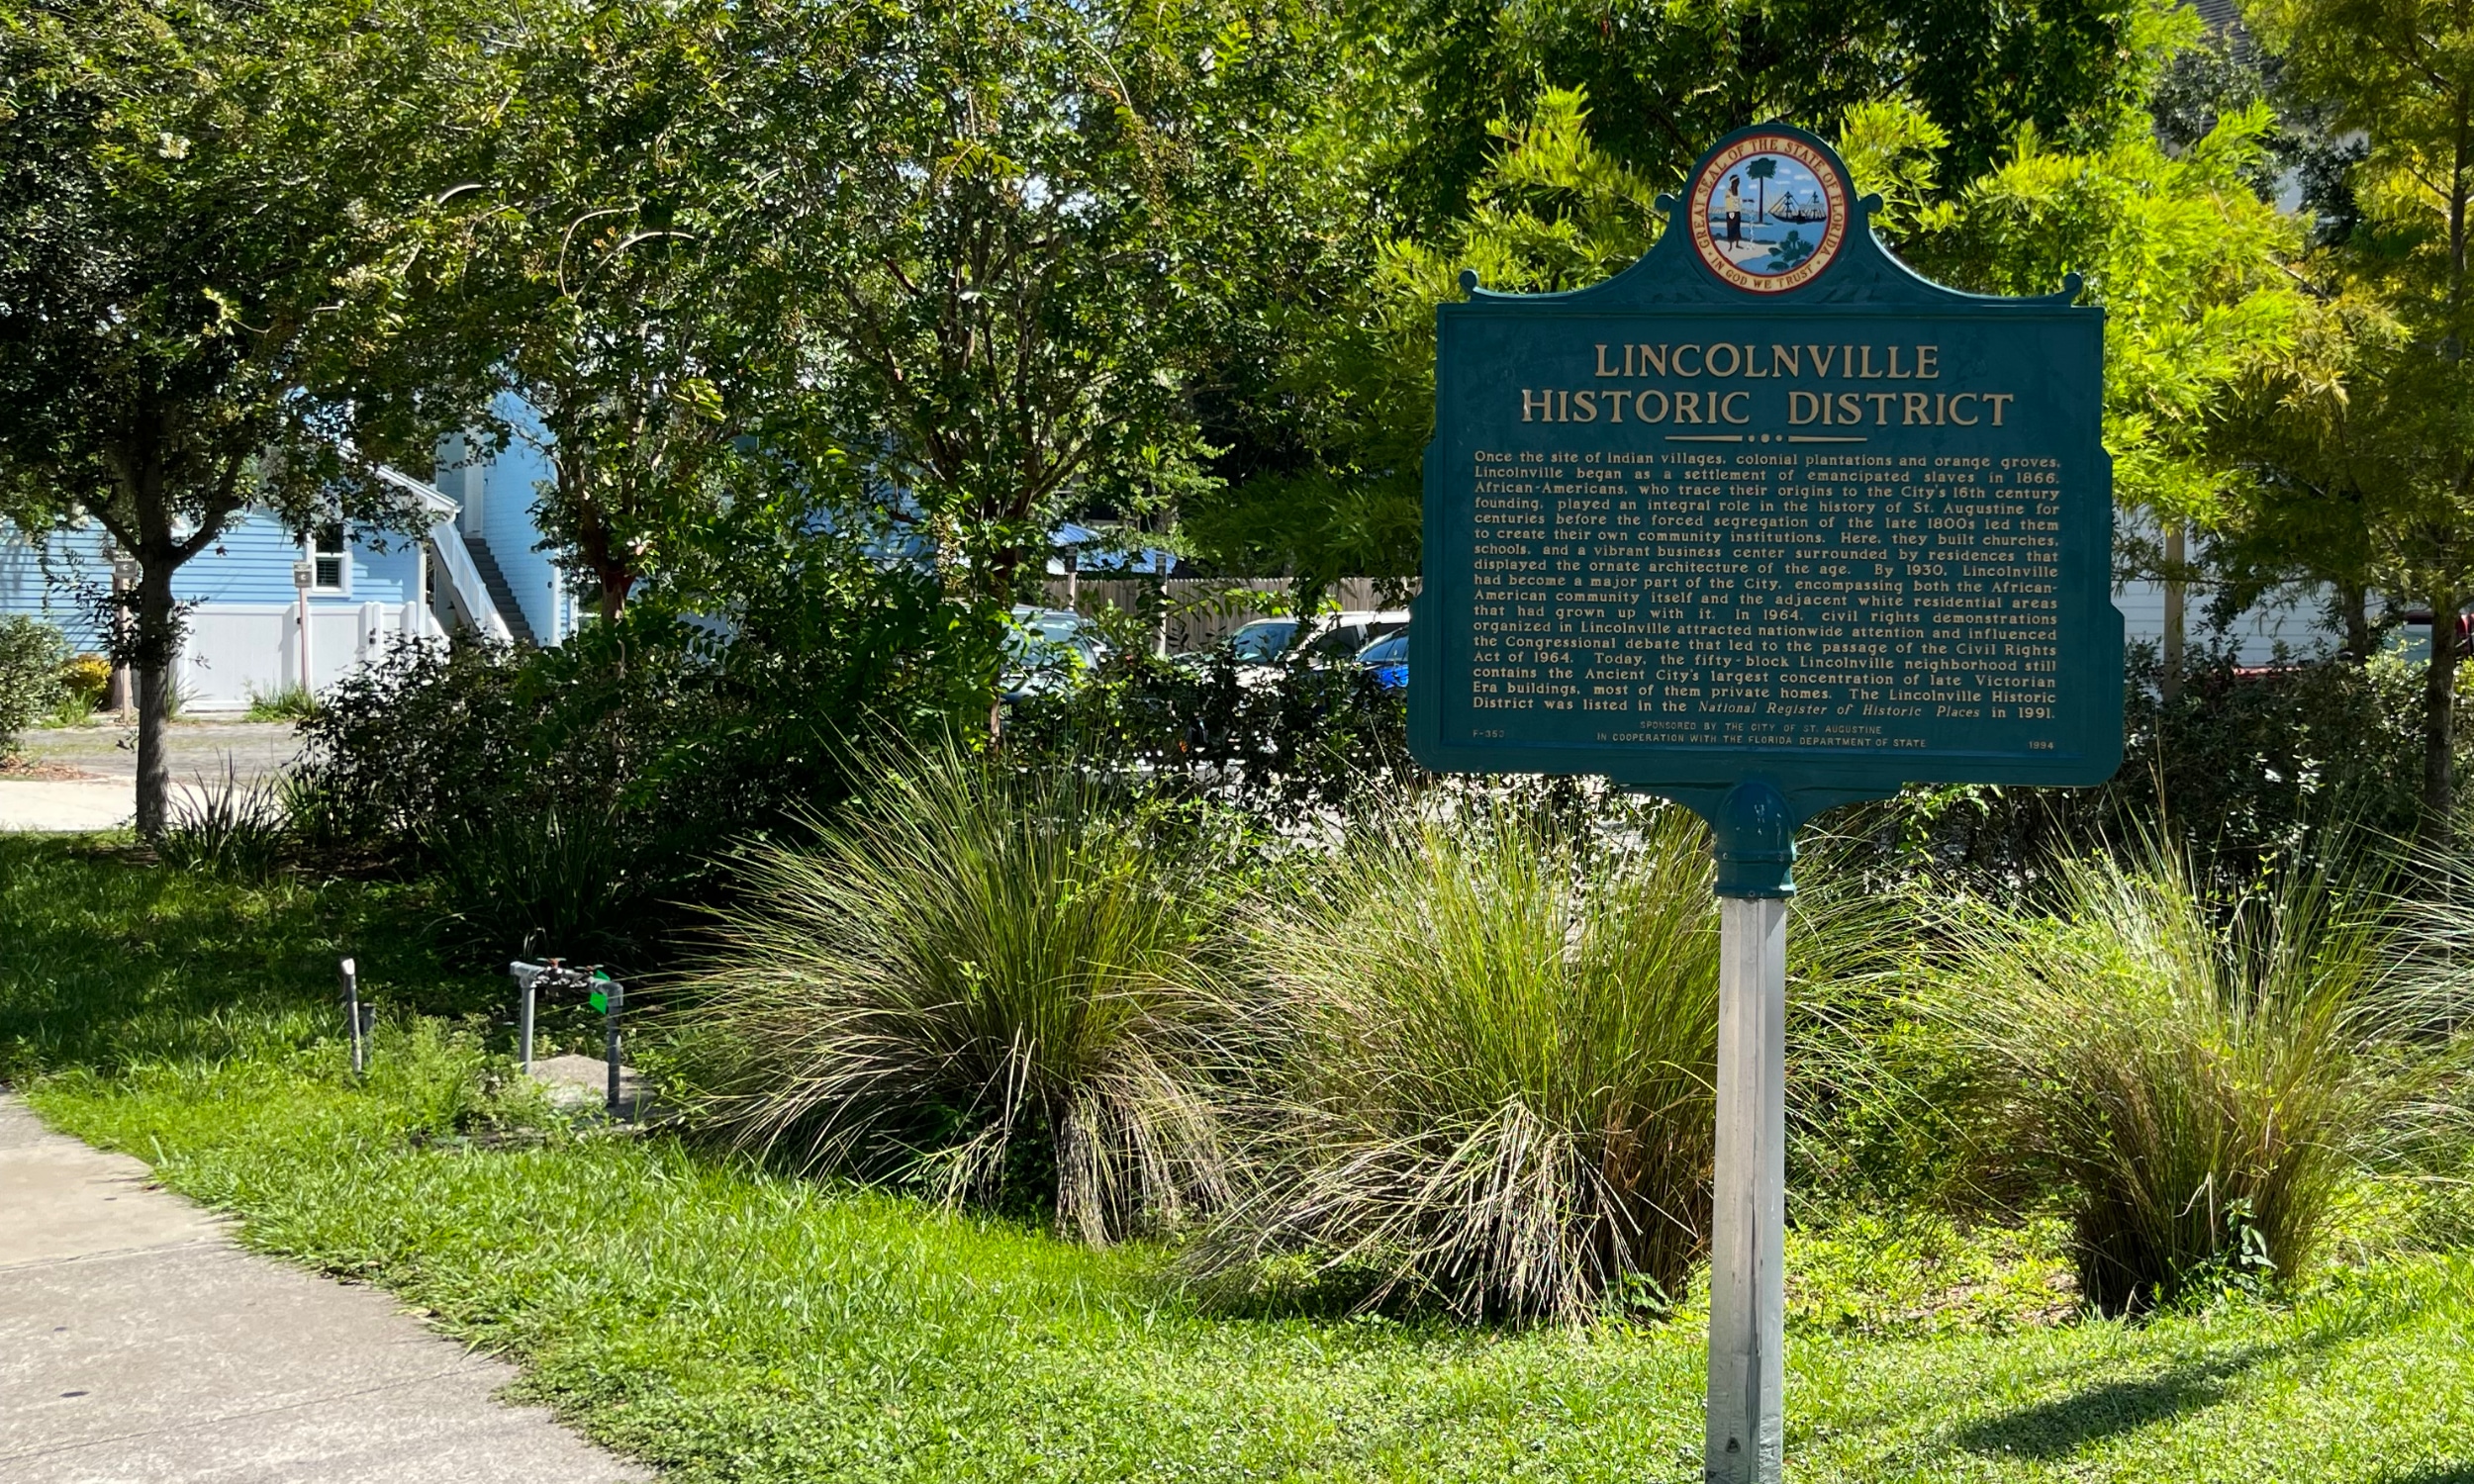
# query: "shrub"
[537,881]
[31,655]
[1309,739]
[983,983]
[2197,1078]
[642,749]
[2246,763]
[1498,1096]
[87,678]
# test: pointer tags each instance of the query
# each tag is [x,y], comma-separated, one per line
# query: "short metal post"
[355,1025]
[525,974]
[616,993]
[1747,1277]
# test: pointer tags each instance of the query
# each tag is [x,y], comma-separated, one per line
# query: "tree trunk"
[615,583]
[2171,684]
[2439,714]
[2352,603]
[157,656]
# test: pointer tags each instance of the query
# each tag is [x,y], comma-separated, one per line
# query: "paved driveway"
[106,798]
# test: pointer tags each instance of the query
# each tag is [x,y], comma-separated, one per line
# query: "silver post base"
[1748,1279]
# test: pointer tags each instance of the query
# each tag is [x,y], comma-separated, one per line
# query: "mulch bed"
[28,771]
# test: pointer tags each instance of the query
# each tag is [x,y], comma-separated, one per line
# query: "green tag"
[601,1002]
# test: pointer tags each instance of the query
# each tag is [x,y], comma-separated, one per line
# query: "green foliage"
[223,220]
[227,828]
[2250,764]
[31,654]
[292,702]
[629,266]
[804,1326]
[984,983]
[1551,211]
[2361,445]
[1501,1037]
[1022,273]
[1672,79]
[1281,747]
[1911,1273]
[2197,1079]
[560,876]
[571,800]
[2186,258]
[2183,254]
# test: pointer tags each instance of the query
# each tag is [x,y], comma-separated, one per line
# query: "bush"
[2198,1078]
[982,982]
[87,678]
[1312,739]
[1504,1034]
[2246,763]
[573,799]
[32,653]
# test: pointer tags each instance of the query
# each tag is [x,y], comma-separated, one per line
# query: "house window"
[326,558]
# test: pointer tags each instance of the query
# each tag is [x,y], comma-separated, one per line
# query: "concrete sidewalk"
[139,1344]
[78,807]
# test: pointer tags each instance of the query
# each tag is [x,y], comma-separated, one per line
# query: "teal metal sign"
[1766,522]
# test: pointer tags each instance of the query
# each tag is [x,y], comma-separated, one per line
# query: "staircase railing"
[463,581]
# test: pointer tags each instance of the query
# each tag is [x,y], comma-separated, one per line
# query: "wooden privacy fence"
[1203,611]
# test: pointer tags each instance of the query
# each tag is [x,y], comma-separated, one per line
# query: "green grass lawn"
[729,1324]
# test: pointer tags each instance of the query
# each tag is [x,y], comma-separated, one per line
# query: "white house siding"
[2300,626]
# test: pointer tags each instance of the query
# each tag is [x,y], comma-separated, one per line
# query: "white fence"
[237,652]
[1203,611]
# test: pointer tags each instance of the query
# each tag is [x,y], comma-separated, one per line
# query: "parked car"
[1387,659]
[1328,639]
[1048,649]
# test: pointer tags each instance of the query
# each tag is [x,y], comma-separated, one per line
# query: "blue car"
[1389,659]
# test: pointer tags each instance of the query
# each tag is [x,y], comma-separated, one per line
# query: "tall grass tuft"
[979,981]
[2199,1079]
[288,703]
[228,828]
[1498,1095]
[521,882]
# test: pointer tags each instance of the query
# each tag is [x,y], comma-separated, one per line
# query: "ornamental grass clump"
[980,983]
[2198,1080]
[1498,1092]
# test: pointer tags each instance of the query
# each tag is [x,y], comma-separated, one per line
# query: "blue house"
[270,607]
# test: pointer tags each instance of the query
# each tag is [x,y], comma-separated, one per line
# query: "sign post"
[1763,524]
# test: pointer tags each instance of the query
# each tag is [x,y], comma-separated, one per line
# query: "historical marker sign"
[1765,523]
[1767,505]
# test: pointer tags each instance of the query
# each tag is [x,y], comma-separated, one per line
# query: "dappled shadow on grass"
[2059,1427]
[106,961]
[2062,1427]
[2437,1473]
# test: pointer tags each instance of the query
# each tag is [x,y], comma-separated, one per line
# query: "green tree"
[2190,265]
[1666,79]
[1013,279]
[1552,212]
[634,272]
[2184,255]
[215,225]
[2400,74]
